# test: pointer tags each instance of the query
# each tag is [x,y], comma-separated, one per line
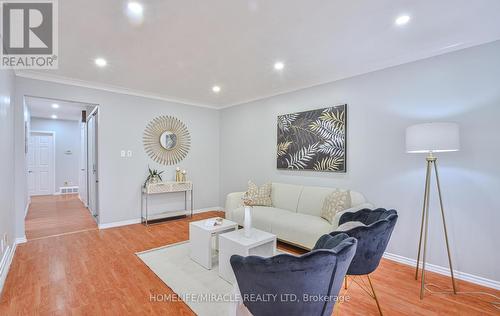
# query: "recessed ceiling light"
[53,116]
[135,8]
[279,65]
[101,62]
[55,105]
[402,20]
[216,89]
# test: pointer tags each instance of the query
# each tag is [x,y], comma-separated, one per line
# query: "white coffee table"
[260,243]
[201,237]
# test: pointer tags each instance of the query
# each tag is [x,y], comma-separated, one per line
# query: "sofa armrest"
[233,201]
[352,210]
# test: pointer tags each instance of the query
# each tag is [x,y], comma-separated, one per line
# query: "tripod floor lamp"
[432,138]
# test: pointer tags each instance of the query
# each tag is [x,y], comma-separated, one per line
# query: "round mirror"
[168,140]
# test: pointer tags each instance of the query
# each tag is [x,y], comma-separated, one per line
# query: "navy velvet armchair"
[372,240]
[295,285]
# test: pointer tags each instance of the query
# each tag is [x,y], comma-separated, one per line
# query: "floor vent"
[68,190]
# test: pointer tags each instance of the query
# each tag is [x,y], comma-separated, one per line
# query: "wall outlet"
[129,153]
[122,153]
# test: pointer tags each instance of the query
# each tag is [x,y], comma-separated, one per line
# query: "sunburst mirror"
[166,140]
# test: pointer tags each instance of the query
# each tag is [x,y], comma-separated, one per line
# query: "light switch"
[122,153]
[129,153]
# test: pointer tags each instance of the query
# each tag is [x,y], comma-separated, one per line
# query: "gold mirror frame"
[152,143]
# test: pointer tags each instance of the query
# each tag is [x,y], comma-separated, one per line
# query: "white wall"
[67,134]
[463,86]
[121,124]
[7,213]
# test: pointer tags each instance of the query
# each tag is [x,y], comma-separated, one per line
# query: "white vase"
[247,222]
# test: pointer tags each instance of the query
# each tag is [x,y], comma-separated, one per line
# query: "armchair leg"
[374,295]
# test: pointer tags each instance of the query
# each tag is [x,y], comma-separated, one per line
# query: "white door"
[92,174]
[82,185]
[41,164]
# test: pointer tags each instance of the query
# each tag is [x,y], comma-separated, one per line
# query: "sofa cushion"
[311,200]
[300,229]
[348,226]
[262,216]
[286,196]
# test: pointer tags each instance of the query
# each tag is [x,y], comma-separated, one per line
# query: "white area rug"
[189,280]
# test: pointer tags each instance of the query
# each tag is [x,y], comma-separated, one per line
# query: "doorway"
[61,167]
[41,163]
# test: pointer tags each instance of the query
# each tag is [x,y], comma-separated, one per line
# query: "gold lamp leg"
[427,176]
[345,282]
[444,226]
[430,160]
[374,295]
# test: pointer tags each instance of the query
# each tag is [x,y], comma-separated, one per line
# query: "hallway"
[51,215]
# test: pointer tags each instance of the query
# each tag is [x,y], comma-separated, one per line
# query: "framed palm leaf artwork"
[313,140]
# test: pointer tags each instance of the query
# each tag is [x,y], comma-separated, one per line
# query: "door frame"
[53,169]
[94,112]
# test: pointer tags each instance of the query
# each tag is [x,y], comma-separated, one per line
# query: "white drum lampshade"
[432,137]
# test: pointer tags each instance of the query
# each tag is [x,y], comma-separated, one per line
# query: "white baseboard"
[138,220]
[20,240]
[120,223]
[7,260]
[445,271]
[27,208]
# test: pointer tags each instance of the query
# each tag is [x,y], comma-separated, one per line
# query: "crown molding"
[105,87]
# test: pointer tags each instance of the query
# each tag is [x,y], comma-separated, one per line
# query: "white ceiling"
[42,108]
[184,47]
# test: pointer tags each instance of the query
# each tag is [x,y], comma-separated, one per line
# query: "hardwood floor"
[57,214]
[96,272]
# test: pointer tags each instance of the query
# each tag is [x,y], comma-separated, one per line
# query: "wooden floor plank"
[50,215]
[96,272]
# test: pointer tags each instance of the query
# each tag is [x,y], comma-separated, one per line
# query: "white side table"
[260,243]
[200,240]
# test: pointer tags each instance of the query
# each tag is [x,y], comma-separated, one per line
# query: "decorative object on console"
[335,202]
[259,196]
[177,174]
[154,176]
[166,140]
[431,138]
[247,221]
[313,140]
[373,238]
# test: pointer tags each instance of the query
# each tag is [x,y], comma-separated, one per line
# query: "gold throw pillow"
[259,196]
[335,202]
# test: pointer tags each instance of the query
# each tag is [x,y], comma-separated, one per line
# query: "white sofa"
[295,216]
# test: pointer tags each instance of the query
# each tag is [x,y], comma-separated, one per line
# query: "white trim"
[7,260]
[138,220]
[53,134]
[27,207]
[5,265]
[120,223]
[106,87]
[445,271]
[20,240]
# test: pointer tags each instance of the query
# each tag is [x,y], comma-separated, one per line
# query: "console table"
[164,188]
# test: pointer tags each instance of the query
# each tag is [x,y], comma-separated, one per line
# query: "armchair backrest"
[372,239]
[293,285]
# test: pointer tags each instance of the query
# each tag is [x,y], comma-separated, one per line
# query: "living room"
[225,107]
